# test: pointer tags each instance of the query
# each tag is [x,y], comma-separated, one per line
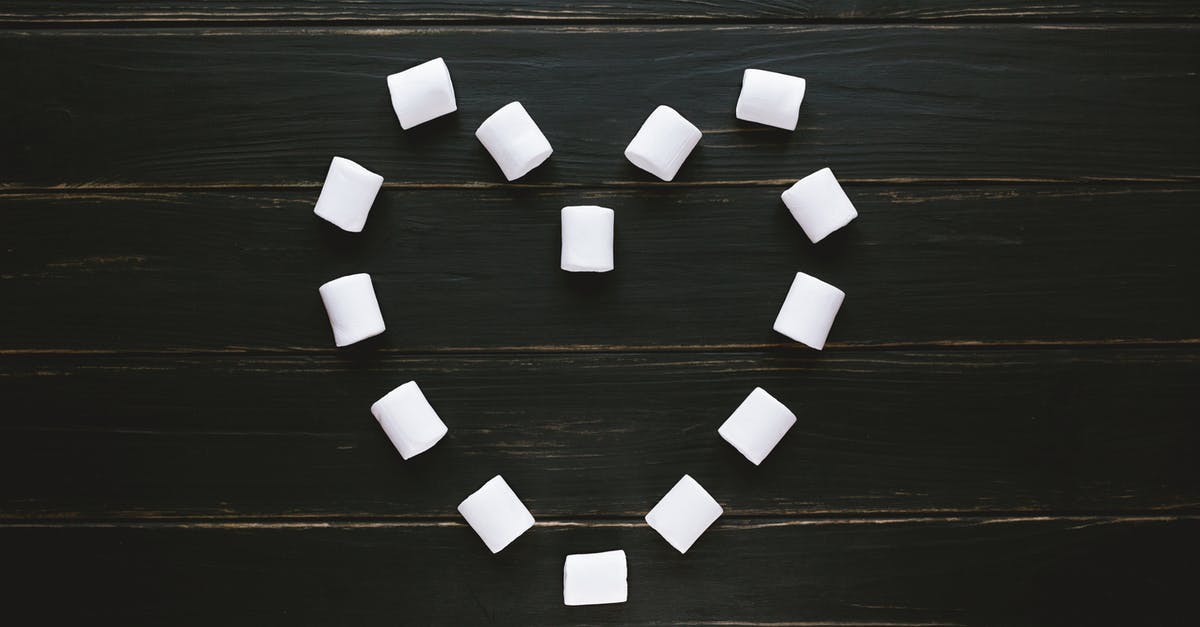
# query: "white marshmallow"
[352,308]
[496,514]
[409,420]
[663,143]
[347,195]
[587,239]
[421,93]
[683,514]
[595,578]
[818,203]
[757,425]
[770,98]
[808,311]
[514,140]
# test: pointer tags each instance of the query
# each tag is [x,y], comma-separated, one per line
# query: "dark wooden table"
[1003,429]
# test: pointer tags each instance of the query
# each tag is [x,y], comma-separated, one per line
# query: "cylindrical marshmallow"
[770,98]
[352,308]
[595,578]
[496,514]
[818,203]
[757,425]
[663,143]
[514,140]
[421,93]
[409,420]
[684,514]
[587,239]
[808,311]
[347,195]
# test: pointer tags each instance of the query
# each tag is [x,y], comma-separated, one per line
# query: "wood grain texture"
[900,574]
[74,12]
[602,435]
[888,103]
[695,266]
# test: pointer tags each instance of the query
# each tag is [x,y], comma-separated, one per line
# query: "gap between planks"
[267,351]
[516,19]
[83,189]
[731,522]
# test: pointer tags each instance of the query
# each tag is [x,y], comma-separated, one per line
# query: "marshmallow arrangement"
[587,239]
[664,141]
[347,195]
[757,425]
[514,140]
[496,514]
[352,308]
[409,420]
[595,578]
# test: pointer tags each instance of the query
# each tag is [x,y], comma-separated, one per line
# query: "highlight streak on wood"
[727,523]
[204,12]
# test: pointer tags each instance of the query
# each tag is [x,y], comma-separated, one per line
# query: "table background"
[1002,430]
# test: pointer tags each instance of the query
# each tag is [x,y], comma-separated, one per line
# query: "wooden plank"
[695,266]
[26,12]
[602,434]
[889,103]
[1089,571]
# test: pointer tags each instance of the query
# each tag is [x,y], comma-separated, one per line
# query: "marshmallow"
[587,239]
[819,204]
[757,425]
[408,420]
[663,143]
[347,195]
[808,311]
[514,140]
[770,98]
[595,578]
[683,514]
[352,308]
[421,93]
[496,514]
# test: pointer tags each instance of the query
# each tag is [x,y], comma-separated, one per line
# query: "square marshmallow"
[595,578]
[496,514]
[421,93]
[347,195]
[352,308]
[770,98]
[818,203]
[409,420]
[663,143]
[757,425]
[808,311]
[587,239]
[683,514]
[514,140]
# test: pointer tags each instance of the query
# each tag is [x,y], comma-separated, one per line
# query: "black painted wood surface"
[695,266]
[91,12]
[605,434]
[893,104]
[928,572]
[1002,430]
